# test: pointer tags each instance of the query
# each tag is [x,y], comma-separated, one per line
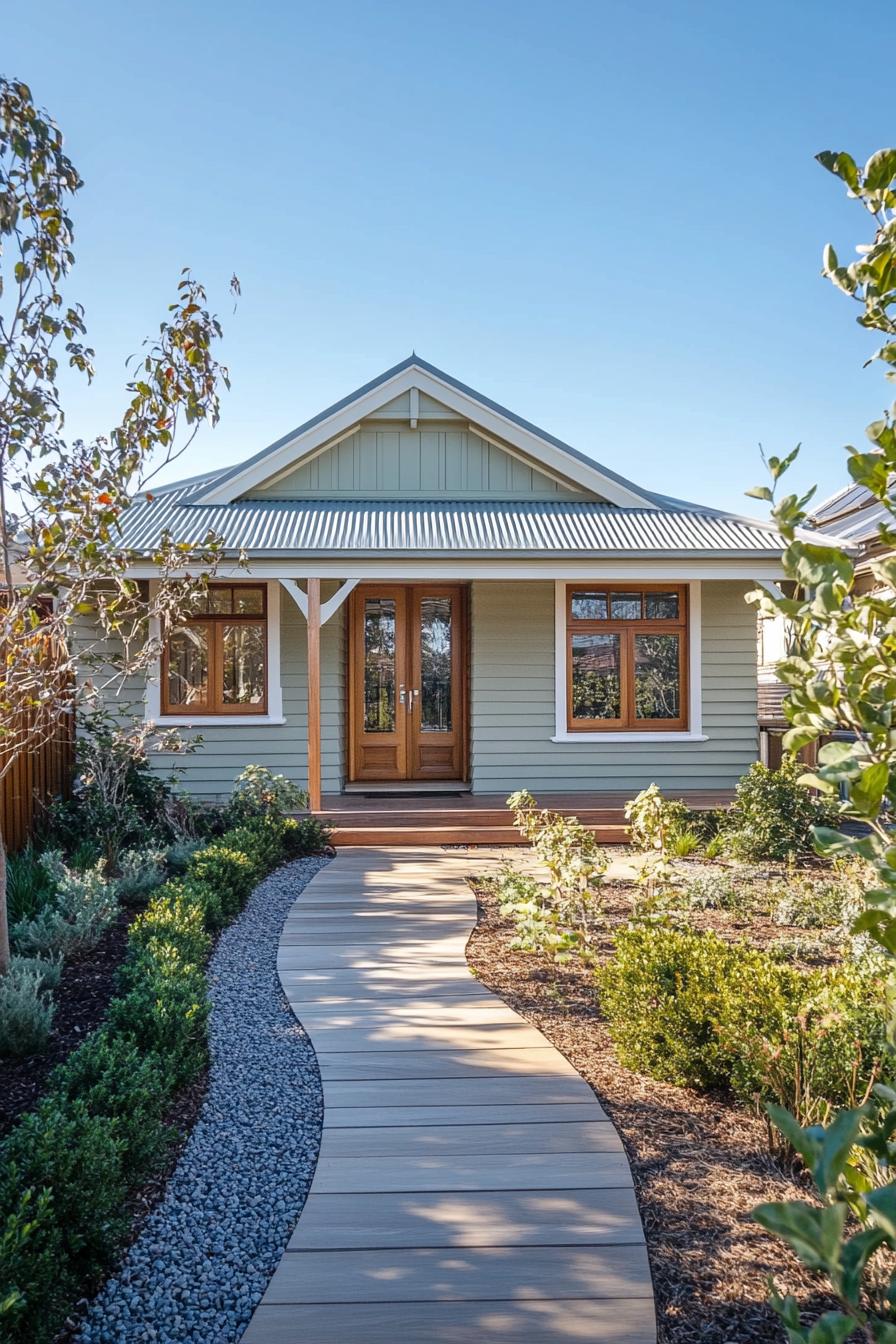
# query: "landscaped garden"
[104,1013]
[694,978]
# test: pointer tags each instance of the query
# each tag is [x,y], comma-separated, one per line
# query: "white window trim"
[153,696]
[695,686]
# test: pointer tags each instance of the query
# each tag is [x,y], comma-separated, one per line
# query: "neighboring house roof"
[852,514]
[603,514]
[333,527]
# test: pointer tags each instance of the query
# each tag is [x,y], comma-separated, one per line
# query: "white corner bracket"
[328,608]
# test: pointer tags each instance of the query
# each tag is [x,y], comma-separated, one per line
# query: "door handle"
[412,695]
[401,694]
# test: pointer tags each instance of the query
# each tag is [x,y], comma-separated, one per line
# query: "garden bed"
[82,996]
[700,1161]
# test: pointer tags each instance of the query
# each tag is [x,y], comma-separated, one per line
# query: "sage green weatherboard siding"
[512,701]
[511,706]
[393,461]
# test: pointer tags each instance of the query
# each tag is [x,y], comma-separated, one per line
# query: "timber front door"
[407,702]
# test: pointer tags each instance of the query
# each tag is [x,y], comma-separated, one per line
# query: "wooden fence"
[35,778]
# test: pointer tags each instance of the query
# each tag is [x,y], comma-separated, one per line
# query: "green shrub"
[810,901]
[676,1002]
[229,871]
[772,816]
[714,890]
[77,1157]
[129,1087]
[304,835]
[691,1009]
[178,855]
[172,920]
[258,792]
[26,1008]
[35,1283]
[164,1009]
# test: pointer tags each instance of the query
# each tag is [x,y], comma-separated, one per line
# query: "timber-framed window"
[215,659]
[626,657]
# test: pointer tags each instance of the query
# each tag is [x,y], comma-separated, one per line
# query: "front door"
[406,682]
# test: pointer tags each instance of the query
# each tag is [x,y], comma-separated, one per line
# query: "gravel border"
[205,1254]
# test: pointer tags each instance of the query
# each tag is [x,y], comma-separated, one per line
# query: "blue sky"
[605,216]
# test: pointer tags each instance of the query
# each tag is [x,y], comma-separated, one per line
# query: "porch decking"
[460,818]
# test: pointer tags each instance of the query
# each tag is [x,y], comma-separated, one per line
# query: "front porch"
[464,818]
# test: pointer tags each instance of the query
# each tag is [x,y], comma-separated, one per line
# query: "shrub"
[712,890]
[26,1008]
[229,871]
[164,1009]
[140,871]
[676,1001]
[807,901]
[691,1009]
[82,906]
[178,855]
[34,1279]
[172,920]
[772,816]
[77,1157]
[258,792]
[126,1086]
[575,863]
[304,835]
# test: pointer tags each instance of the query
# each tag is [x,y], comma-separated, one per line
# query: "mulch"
[700,1162]
[82,997]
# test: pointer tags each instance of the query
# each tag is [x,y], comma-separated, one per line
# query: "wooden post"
[314,695]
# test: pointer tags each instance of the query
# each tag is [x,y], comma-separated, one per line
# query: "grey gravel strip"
[205,1254]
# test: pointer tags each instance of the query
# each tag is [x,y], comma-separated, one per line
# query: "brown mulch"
[700,1163]
[88,983]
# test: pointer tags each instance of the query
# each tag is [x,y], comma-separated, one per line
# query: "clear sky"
[604,215]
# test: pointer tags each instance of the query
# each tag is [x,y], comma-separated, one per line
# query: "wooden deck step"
[469,833]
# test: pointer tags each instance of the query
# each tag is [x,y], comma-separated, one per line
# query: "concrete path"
[470,1189]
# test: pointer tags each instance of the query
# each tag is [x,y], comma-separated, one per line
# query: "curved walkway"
[470,1189]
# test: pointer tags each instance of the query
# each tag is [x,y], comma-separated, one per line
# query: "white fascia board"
[401,570]
[297,449]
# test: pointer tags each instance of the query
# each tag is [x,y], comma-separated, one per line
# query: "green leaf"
[880,170]
[831,1328]
[829,259]
[842,165]
[866,793]
[882,1208]
[760,492]
[813,1234]
[837,1144]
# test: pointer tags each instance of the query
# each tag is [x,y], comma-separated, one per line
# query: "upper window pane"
[625,606]
[661,606]
[595,677]
[220,600]
[188,666]
[657,678]
[248,602]
[589,606]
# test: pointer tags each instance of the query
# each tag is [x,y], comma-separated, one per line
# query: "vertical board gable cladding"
[381,461]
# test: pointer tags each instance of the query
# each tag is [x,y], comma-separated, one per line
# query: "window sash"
[627,630]
[214,622]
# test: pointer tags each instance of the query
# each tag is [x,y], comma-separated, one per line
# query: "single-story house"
[436,594]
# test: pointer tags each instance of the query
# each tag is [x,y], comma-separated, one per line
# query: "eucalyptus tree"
[842,680]
[62,501]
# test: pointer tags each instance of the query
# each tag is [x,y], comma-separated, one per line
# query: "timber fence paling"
[38,774]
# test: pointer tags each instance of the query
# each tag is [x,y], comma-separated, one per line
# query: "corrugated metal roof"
[335,527]
[853,513]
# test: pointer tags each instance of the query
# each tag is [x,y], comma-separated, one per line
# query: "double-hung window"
[215,660]
[626,657]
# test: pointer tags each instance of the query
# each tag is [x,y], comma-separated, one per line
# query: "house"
[438,595]
[851,518]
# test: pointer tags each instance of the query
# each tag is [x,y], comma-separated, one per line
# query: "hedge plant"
[67,1168]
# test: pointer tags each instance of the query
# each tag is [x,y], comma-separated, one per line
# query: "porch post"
[314,695]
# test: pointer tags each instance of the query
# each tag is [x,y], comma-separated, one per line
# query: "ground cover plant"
[69,1168]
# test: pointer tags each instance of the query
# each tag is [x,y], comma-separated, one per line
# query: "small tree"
[62,560]
[842,677]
